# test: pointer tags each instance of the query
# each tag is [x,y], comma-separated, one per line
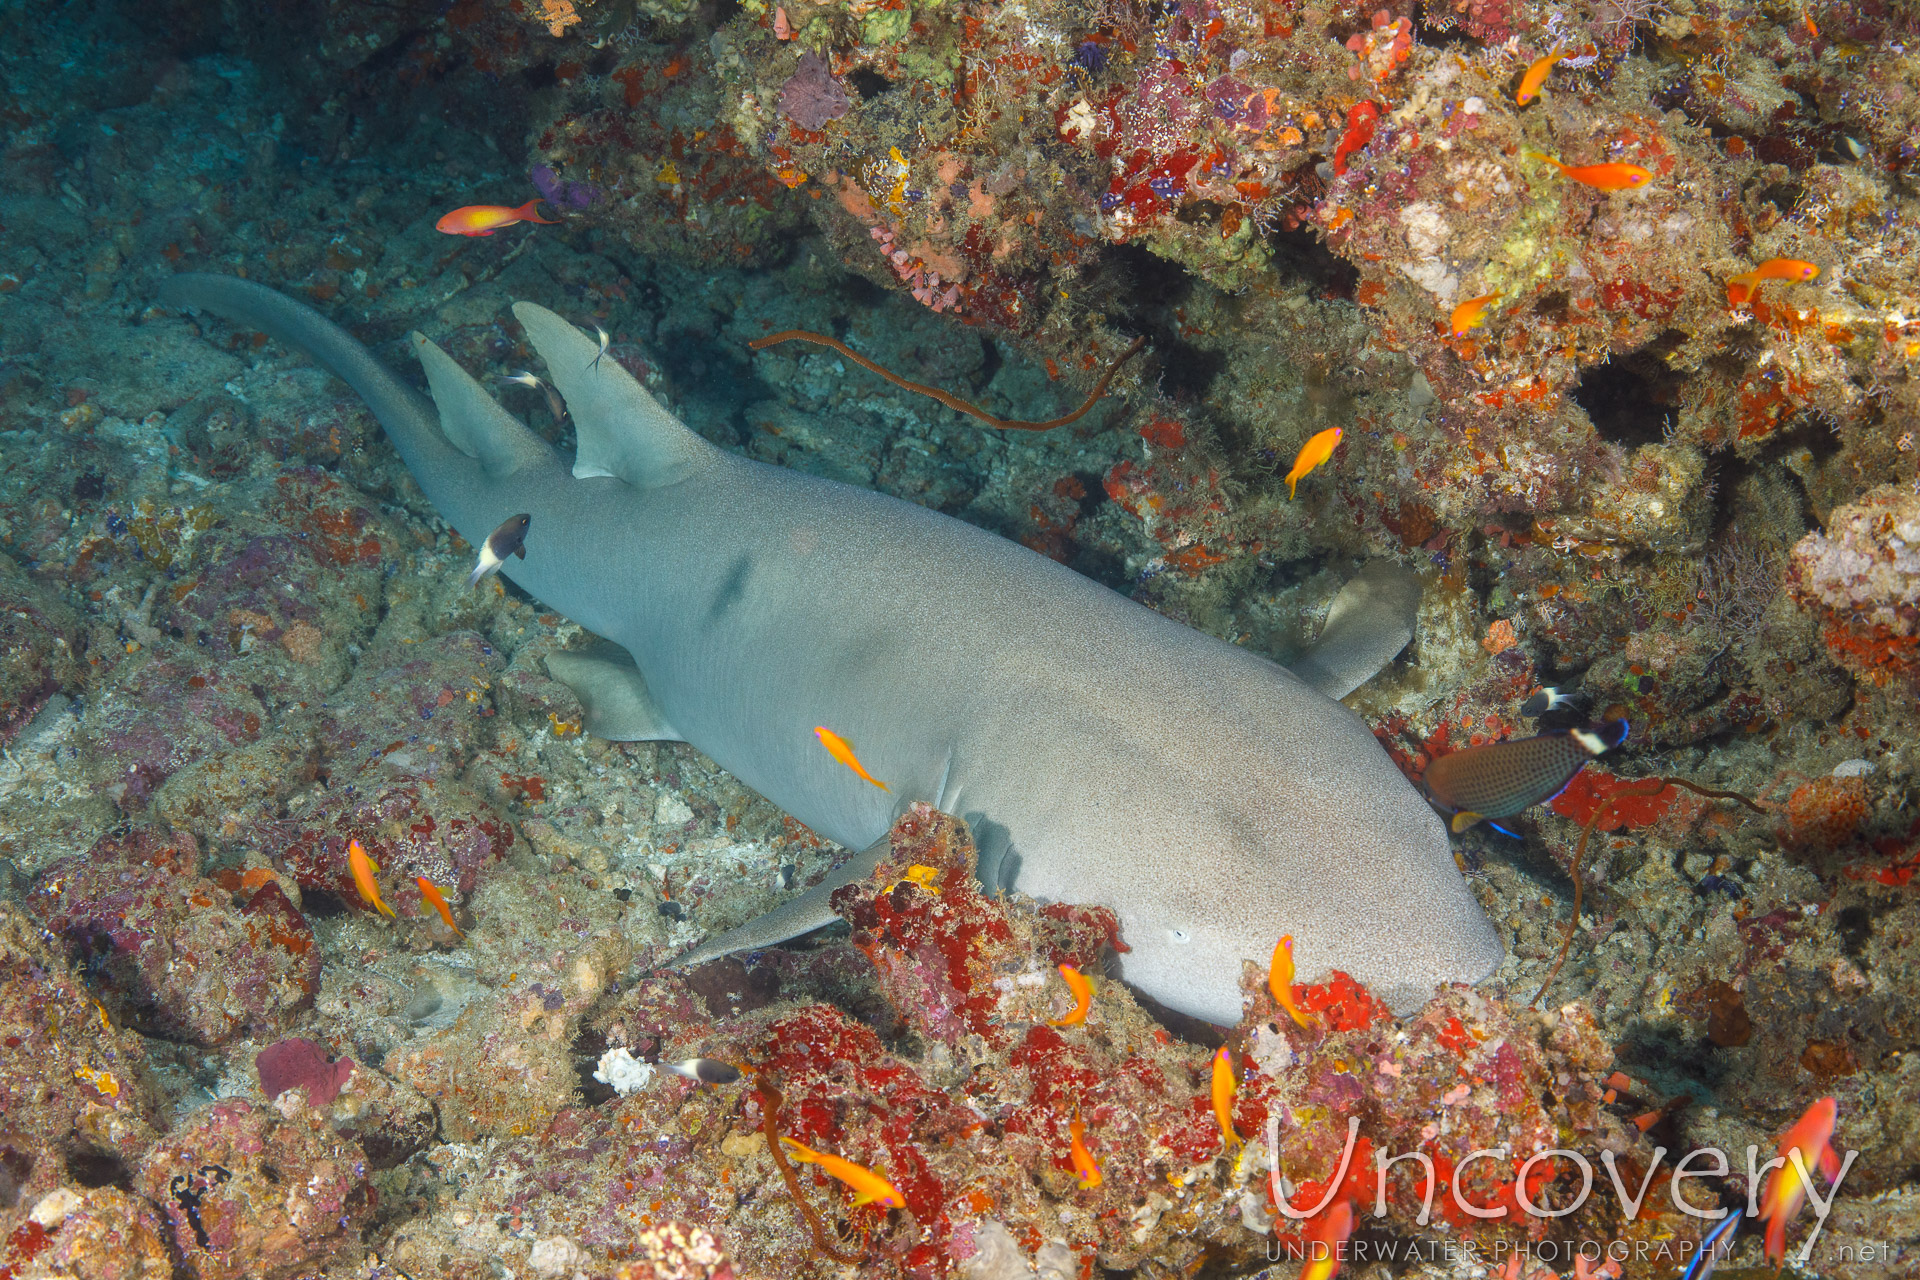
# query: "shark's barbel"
[1101,752]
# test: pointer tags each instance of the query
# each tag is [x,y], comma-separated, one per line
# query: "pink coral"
[811,96]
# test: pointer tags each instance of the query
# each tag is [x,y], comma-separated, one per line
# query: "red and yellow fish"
[1084,1167]
[1470,314]
[840,750]
[485,219]
[868,1186]
[363,868]
[1082,989]
[1280,979]
[1741,288]
[1225,1089]
[430,892]
[1812,1138]
[1322,1240]
[1614,175]
[1312,454]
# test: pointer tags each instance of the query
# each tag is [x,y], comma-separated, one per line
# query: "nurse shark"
[1101,752]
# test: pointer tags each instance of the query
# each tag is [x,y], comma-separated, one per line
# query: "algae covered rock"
[1862,579]
[75,1093]
[249,1194]
[39,647]
[174,953]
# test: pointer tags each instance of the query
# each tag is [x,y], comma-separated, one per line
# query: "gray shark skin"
[1101,753]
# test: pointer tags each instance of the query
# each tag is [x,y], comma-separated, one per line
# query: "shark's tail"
[409,417]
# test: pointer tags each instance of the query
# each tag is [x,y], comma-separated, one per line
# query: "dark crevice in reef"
[1300,254]
[1632,398]
[93,1167]
[1153,288]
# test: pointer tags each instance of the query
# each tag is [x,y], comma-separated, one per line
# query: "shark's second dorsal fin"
[621,428]
[472,420]
[618,703]
[1369,623]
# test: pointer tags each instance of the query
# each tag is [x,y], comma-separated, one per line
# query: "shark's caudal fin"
[408,416]
[1368,625]
[618,704]
[622,429]
[803,914]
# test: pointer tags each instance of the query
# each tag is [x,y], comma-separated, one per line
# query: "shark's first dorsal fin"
[619,706]
[472,420]
[622,429]
[1368,624]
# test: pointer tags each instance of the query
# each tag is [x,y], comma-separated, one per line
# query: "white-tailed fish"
[510,539]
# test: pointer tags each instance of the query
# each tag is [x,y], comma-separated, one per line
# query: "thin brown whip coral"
[1639,788]
[770,1099]
[945,397]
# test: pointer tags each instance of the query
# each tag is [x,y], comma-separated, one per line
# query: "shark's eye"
[1180,936]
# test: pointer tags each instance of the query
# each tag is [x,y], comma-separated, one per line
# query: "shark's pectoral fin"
[473,420]
[610,687]
[790,919]
[622,430]
[1368,624]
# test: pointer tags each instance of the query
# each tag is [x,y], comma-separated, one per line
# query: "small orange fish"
[1741,288]
[1082,997]
[1225,1089]
[1312,454]
[485,219]
[1611,176]
[1083,1165]
[1323,1238]
[838,748]
[434,899]
[1470,314]
[1812,1137]
[363,868]
[868,1186]
[1536,76]
[1280,979]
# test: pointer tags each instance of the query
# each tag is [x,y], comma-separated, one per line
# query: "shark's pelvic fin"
[474,420]
[790,919]
[621,428]
[1368,624]
[618,704]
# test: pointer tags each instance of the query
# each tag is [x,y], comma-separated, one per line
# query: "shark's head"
[1306,829]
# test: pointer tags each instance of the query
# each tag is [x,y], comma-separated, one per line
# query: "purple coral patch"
[565,192]
[295,1062]
[811,96]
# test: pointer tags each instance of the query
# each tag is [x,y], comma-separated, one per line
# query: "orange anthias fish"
[868,1186]
[1225,1089]
[1083,1165]
[485,219]
[1611,176]
[1741,288]
[1536,76]
[1812,1138]
[1280,979]
[837,748]
[363,868]
[1082,997]
[1312,454]
[434,898]
[1470,314]
[1323,1240]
